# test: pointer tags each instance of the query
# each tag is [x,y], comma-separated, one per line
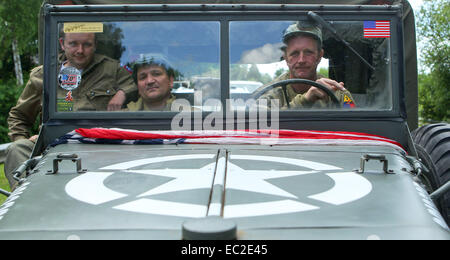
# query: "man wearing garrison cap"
[302,52]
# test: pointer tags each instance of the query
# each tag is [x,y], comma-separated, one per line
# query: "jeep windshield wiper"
[330,28]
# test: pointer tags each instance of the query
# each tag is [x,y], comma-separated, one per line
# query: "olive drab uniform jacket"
[141,106]
[100,81]
[299,101]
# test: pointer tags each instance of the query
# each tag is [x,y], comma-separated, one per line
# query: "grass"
[3,184]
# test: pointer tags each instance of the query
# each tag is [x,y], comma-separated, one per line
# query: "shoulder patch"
[348,102]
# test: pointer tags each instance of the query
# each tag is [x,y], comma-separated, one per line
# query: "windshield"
[258,54]
[162,66]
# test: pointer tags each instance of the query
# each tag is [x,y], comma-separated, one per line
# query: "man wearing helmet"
[154,77]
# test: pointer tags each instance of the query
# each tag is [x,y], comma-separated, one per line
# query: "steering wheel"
[284,83]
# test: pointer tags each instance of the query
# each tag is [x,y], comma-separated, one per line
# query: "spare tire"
[432,143]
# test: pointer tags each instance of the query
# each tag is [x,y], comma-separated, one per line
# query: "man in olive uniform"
[302,53]
[154,77]
[104,85]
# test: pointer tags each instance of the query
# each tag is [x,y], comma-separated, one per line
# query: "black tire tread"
[419,132]
[435,139]
[433,146]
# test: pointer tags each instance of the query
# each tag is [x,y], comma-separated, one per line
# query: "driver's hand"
[314,94]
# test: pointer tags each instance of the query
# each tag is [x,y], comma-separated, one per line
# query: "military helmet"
[152,59]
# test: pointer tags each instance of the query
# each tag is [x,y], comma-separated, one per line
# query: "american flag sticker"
[377,29]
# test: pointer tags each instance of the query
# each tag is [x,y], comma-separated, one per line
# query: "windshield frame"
[223,14]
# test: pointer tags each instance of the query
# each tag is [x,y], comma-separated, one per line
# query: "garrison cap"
[302,27]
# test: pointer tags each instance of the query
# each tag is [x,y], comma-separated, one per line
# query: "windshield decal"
[83,27]
[377,29]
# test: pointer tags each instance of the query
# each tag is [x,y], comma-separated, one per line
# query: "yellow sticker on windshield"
[83,27]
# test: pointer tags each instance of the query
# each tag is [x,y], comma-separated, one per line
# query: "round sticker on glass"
[69,78]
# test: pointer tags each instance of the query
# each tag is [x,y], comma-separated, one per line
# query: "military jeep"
[230,169]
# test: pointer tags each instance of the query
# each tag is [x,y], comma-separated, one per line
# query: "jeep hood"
[268,191]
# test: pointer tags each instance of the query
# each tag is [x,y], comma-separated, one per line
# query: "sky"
[415,4]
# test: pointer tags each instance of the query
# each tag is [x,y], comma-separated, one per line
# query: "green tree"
[238,72]
[323,72]
[110,41]
[434,35]
[19,34]
[9,93]
[18,25]
[280,72]
[253,73]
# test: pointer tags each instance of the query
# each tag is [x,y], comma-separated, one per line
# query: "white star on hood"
[237,178]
